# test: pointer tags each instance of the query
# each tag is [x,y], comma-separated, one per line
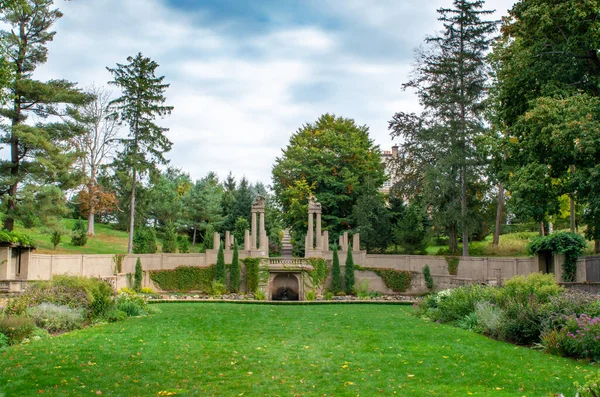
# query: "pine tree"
[141,102]
[234,271]
[451,83]
[138,276]
[38,153]
[170,240]
[349,272]
[336,280]
[220,270]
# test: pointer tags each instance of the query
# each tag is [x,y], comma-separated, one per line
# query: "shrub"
[453,305]
[16,328]
[427,277]
[144,241]
[349,275]
[329,295]
[521,321]
[138,276]
[220,270]
[234,271]
[3,341]
[18,305]
[79,234]
[130,308]
[336,281]
[56,318]
[218,288]
[115,315]
[453,263]
[208,237]
[146,290]
[183,243]
[170,239]
[591,387]
[55,238]
[571,245]
[520,288]
[184,279]
[362,288]
[489,318]
[579,338]
[252,274]
[259,295]
[311,296]
[468,322]
[131,304]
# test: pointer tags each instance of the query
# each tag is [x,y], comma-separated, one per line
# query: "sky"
[245,75]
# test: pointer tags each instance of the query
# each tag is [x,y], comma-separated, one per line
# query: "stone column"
[309,235]
[325,241]
[345,241]
[216,241]
[341,243]
[227,240]
[253,231]
[246,240]
[263,233]
[319,236]
[356,242]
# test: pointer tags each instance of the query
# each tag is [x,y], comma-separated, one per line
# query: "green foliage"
[349,272]
[16,328]
[336,280]
[318,275]
[329,295]
[56,318]
[333,159]
[130,303]
[523,288]
[396,280]
[259,295]
[184,278]
[234,271]
[428,278]
[55,238]
[410,231]
[578,338]
[220,270]
[79,234]
[453,305]
[3,341]
[144,241]
[453,262]
[373,221]
[218,288]
[239,229]
[252,274]
[571,245]
[311,296]
[118,259]
[208,237]
[183,243]
[115,315]
[170,239]
[591,387]
[16,238]
[138,276]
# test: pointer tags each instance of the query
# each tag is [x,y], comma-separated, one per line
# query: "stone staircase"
[286,245]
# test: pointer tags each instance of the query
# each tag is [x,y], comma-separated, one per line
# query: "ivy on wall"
[319,273]
[184,278]
[16,238]
[571,245]
[396,280]
[452,262]
[252,274]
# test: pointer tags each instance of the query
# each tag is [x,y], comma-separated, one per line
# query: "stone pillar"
[356,242]
[262,232]
[253,231]
[216,241]
[246,240]
[231,240]
[341,243]
[319,236]
[227,240]
[309,235]
[325,241]
[345,241]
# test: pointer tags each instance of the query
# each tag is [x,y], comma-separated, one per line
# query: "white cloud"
[238,97]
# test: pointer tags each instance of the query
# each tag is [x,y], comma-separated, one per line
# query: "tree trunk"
[194,237]
[542,229]
[597,247]
[452,239]
[465,229]
[499,211]
[90,231]
[132,214]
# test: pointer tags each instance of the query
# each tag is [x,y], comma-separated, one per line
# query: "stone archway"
[285,286]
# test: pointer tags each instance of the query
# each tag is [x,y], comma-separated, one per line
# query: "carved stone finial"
[313,205]
[259,203]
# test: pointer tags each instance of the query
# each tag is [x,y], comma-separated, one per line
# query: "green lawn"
[219,349]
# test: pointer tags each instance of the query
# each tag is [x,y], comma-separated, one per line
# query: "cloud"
[244,77]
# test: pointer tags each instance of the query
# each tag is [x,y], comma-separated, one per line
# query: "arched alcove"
[285,286]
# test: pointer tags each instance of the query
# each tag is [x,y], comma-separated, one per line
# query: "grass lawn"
[219,349]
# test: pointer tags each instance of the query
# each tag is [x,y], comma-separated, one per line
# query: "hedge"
[185,279]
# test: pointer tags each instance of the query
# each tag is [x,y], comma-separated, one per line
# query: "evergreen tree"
[40,153]
[239,230]
[208,237]
[141,102]
[234,271]
[451,83]
[138,276]
[220,270]
[372,219]
[336,280]
[170,240]
[349,272]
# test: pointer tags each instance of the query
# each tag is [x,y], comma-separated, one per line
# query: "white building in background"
[386,156]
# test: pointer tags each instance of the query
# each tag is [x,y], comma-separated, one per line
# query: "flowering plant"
[580,337]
